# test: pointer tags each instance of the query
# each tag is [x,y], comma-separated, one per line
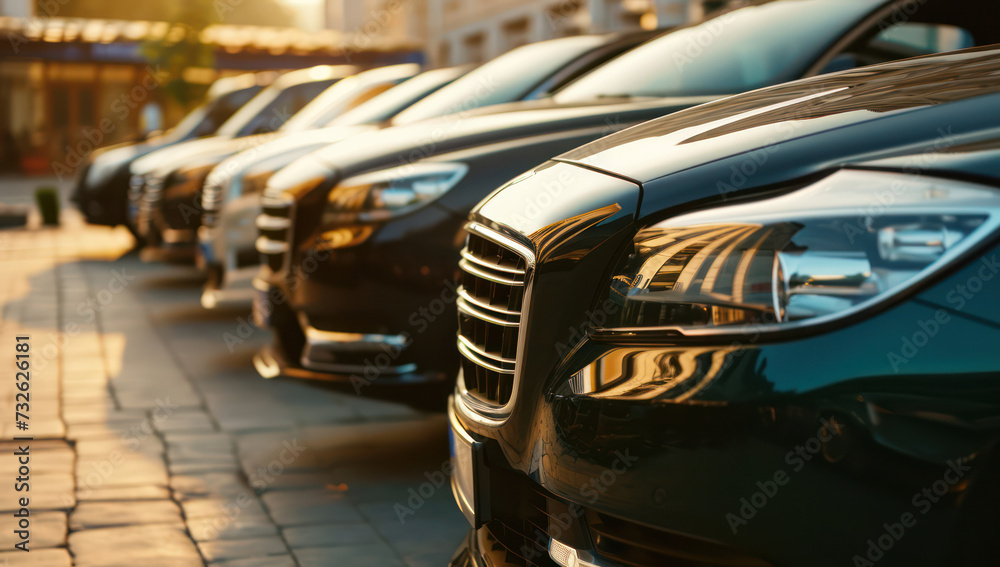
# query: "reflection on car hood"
[767,117]
[195,152]
[460,131]
[281,150]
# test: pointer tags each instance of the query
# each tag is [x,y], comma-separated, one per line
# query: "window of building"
[516,33]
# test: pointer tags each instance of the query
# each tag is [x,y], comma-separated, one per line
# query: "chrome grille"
[211,201]
[274,226]
[494,281]
[149,202]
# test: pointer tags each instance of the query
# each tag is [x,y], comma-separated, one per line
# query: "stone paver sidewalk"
[156,445]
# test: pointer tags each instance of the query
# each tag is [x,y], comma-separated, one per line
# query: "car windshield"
[504,79]
[271,108]
[207,117]
[745,49]
[391,102]
[348,94]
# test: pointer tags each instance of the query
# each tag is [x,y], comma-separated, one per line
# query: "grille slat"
[494,277]
[274,226]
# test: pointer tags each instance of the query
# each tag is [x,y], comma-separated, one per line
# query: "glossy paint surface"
[785,449]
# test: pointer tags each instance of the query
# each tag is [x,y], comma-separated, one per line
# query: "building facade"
[473,31]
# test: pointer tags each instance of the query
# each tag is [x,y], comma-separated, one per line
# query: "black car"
[164,184]
[231,192]
[756,332]
[360,288]
[102,188]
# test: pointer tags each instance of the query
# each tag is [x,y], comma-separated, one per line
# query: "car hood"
[406,144]
[768,118]
[926,116]
[195,152]
[279,152]
[107,161]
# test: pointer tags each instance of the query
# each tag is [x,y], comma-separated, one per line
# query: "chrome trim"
[482,352]
[352,342]
[474,356]
[265,245]
[469,310]
[467,266]
[333,342]
[474,259]
[497,238]
[470,407]
[469,298]
[353,368]
[268,222]
[461,436]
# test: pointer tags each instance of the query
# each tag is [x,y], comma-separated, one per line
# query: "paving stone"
[48,529]
[36,558]
[290,480]
[186,421]
[126,469]
[85,415]
[151,398]
[204,485]
[48,492]
[103,447]
[429,537]
[372,555]
[271,561]
[330,535]
[220,549]
[53,460]
[242,506]
[102,430]
[226,527]
[122,493]
[146,546]
[88,515]
[302,507]
[220,465]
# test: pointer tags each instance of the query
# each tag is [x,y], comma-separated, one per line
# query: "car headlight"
[832,248]
[390,192]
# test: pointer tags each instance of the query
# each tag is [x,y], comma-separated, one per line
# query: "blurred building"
[474,31]
[70,84]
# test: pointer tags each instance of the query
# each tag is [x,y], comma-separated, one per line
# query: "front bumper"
[391,284]
[105,203]
[369,362]
[226,248]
